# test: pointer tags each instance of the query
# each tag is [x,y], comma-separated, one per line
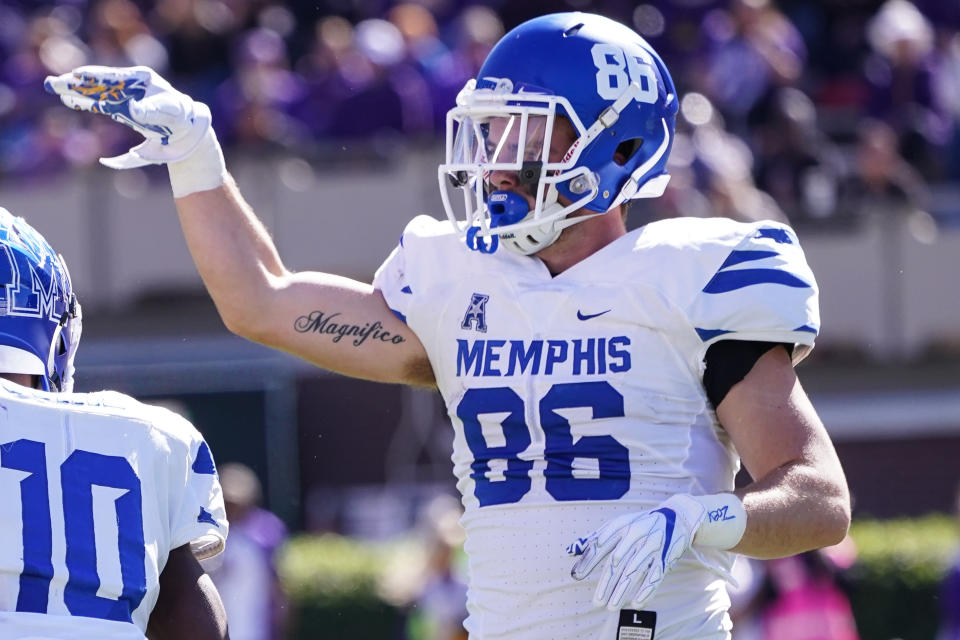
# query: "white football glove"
[172,122]
[642,548]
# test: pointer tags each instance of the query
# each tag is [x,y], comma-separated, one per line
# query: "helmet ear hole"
[626,150]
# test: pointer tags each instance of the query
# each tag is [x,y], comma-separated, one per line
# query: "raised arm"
[337,323]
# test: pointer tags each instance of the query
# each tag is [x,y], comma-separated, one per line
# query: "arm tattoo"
[326,323]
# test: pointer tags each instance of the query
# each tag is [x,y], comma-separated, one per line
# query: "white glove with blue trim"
[643,547]
[173,124]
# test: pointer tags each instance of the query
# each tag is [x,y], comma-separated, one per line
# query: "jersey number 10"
[78,474]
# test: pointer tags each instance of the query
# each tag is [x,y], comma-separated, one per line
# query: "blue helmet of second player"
[39,314]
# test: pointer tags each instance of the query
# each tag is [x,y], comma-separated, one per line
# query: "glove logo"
[719,515]
[671,517]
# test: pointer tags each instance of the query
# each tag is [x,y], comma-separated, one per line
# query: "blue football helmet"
[40,321]
[612,88]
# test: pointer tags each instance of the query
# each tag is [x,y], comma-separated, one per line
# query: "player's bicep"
[345,326]
[772,422]
[189,605]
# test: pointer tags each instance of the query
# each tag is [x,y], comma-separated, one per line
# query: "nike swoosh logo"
[582,316]
[671,519]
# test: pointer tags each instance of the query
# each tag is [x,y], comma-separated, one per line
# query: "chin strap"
[53,377]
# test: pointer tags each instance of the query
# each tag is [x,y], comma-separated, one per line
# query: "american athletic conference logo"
[476,315]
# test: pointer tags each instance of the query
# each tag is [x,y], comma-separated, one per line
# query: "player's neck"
[582,240]
[23,379]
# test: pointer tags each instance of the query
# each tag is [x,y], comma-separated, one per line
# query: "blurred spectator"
[947,88]
[805,601]
[325,70]
[119,37]
[882,182]
[747,598]
[711,171]
[197,34]
[752,49]
[254,106]
[443,69]
[245,573]
[478,28]
[901,82]
[359,83]
[441,605]
[795,162]
[950,593]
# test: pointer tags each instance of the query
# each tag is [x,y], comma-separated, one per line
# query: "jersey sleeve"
[396,277]
[198,516]
[762,290]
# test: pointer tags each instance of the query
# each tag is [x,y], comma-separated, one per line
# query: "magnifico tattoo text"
[320,322]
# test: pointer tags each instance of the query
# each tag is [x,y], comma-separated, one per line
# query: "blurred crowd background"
[798,109]
[841,117]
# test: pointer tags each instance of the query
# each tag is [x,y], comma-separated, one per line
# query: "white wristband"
[202,170]
[724,523]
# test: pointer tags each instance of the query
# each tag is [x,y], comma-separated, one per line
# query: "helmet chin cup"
[506,208]
[530,240]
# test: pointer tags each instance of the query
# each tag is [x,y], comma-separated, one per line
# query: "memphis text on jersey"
[580,356]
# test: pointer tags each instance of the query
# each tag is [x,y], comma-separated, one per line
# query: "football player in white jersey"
[603,386]
[107,502]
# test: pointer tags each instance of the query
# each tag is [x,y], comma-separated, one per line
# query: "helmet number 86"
[616,70]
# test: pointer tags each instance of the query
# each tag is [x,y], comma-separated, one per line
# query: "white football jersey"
[578,398]
[96,490]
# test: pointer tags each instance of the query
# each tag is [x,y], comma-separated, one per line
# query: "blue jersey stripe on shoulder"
[204,461]
[807,328]
[725,281]
[707,334]
[399,315]
[737,257]
[777,235]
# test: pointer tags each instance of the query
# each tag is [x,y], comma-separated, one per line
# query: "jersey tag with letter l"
[636,625]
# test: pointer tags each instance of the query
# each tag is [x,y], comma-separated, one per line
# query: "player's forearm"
[233,251]
[795,508]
